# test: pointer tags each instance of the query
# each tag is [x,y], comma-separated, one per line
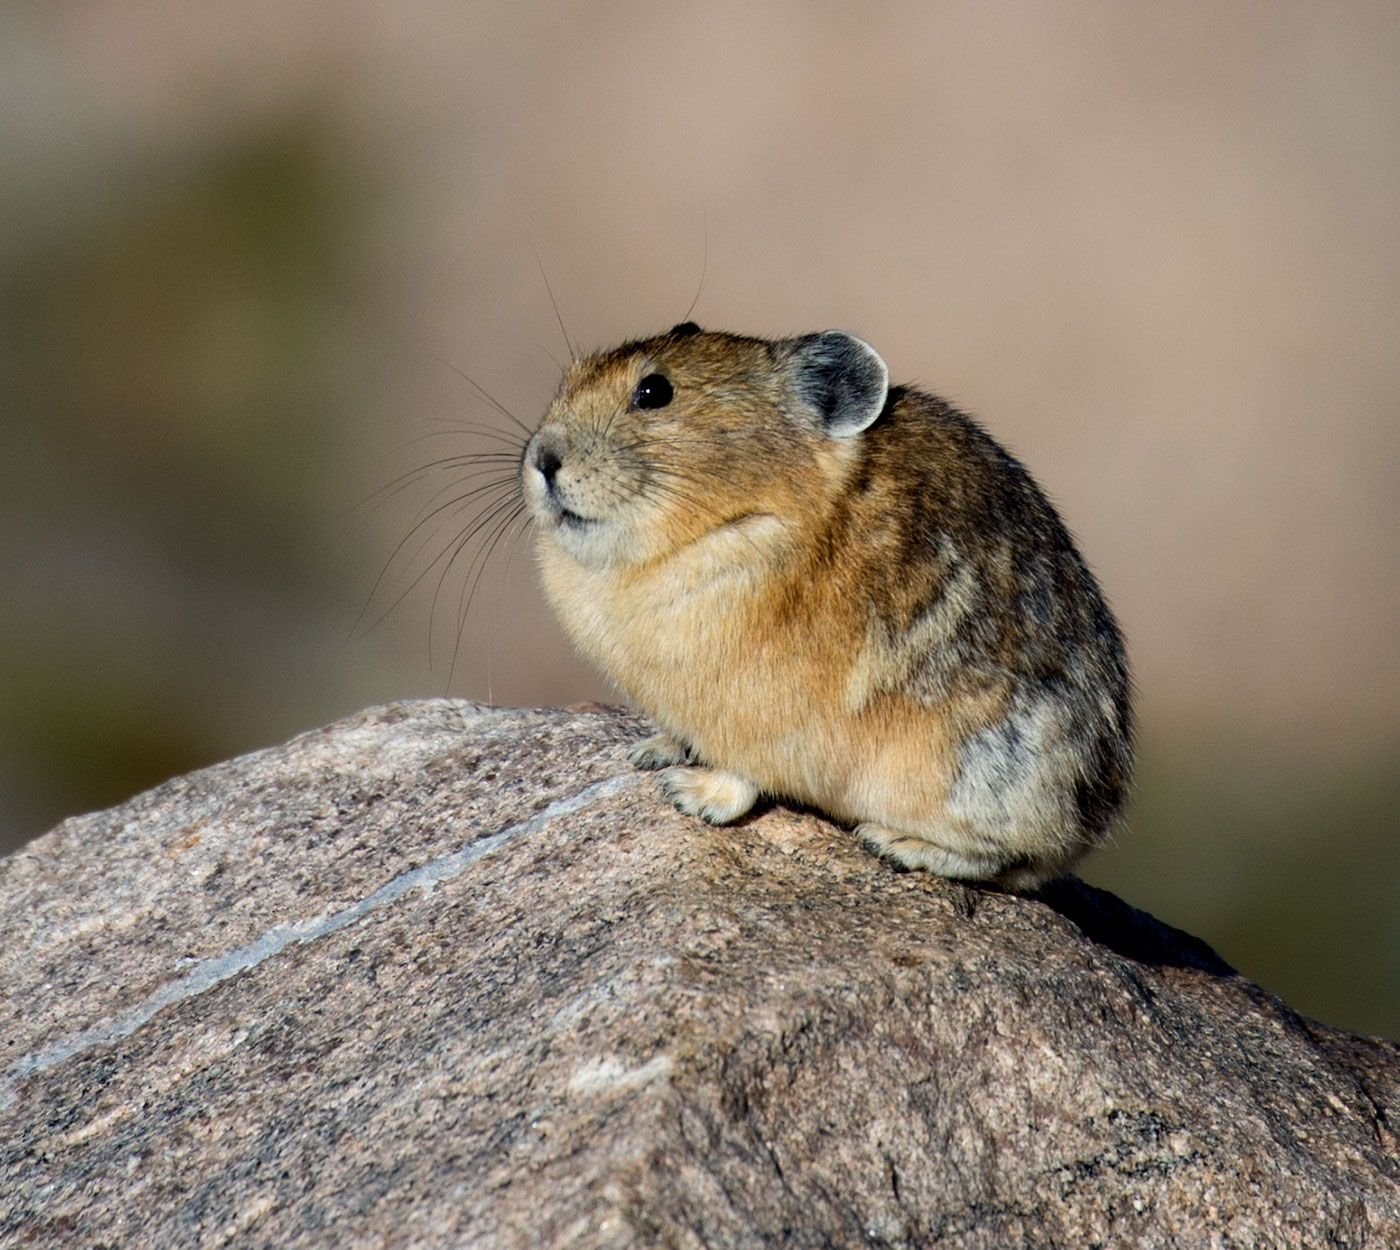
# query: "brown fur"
[892,626]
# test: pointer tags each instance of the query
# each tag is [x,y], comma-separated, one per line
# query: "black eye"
[653,391]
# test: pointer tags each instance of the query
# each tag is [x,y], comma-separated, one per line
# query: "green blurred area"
[173,465]
[1289,872]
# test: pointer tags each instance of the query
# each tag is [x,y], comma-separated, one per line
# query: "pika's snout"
[544,457]
[546,460]
[546,485]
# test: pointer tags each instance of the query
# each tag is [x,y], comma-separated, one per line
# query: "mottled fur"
[879,615]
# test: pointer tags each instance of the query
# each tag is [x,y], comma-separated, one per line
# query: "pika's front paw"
[659,751]
[710,793]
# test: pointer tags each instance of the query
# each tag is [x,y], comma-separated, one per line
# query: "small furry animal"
[834,591]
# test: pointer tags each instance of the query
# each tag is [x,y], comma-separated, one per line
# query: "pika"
[833,591]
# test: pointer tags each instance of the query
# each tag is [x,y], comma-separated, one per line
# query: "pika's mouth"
[553,509]
[543,462]
[571,519]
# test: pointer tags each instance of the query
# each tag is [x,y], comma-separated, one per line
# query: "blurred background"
[247,254]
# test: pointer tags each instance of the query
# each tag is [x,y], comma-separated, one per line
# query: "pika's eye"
[653,391]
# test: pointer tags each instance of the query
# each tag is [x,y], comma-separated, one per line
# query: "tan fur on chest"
[705,646]
[698,641]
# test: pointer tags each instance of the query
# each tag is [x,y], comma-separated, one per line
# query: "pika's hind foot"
[659,751]
[710,793]
[912,852]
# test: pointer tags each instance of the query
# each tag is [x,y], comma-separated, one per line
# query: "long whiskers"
[704,264]
[491,493]
[501,529]
[486,395]
[554,303]
[488,527]
[494,462]
[471,498]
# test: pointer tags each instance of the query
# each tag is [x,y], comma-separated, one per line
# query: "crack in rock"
[211,972]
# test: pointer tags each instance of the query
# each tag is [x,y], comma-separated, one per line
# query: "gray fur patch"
[1018,772]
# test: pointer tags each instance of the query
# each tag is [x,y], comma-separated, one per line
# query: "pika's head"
[659,443]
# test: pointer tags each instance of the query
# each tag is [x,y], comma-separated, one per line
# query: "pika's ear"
[841,378]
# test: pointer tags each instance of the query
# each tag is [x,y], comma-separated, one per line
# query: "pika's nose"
[548,462]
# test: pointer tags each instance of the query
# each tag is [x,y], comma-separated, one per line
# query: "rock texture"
[441,975]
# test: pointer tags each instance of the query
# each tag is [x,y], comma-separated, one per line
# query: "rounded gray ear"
[841,378]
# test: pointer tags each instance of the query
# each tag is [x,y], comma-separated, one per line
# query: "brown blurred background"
[245,249]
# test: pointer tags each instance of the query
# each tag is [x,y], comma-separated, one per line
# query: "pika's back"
[974,538]
[764,543]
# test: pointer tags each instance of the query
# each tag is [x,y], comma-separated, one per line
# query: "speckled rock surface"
[442,975]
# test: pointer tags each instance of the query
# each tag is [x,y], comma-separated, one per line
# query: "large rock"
[441,975]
